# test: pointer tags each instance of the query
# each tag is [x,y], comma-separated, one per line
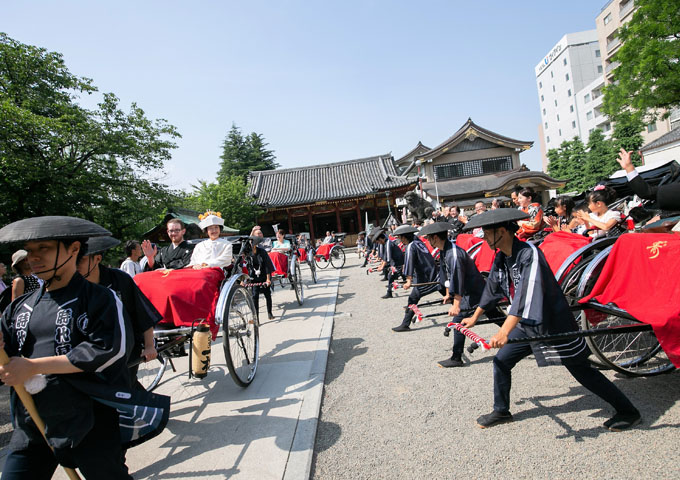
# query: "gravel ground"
[390,412]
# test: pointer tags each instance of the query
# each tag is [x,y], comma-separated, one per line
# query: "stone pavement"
[266,431]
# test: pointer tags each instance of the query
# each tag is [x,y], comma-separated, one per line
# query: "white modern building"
[573,64]
[589,108]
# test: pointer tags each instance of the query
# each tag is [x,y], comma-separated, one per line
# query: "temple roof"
[418,149]
[331,181]
[492,185]
[670,137]
[474,133]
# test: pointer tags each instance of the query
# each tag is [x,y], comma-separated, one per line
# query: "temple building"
[335,197]
[474,164]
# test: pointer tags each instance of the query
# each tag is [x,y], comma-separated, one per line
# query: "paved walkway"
[266,431]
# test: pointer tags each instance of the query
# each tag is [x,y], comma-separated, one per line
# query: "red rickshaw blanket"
[324,250]
[641,277]
[484,258]
[559,245]
[182,296]
[280,261]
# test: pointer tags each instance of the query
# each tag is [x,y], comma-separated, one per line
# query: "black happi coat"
[141,312]
[172,257]
[394,255]
[418,262]
[83,321]
[527,280]
[464,279]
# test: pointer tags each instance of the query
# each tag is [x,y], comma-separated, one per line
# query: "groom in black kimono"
[174,256]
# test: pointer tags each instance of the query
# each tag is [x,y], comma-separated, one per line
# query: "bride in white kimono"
[215,251]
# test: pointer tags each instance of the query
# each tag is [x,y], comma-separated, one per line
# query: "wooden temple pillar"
[311,225]
[290,222]
[338,227]
[375,211]
[360,228]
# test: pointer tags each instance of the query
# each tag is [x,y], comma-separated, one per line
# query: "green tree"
[627,134]
[229,197]
[58,158]
[243,154]
[647,81]
[600,160]
[566,163]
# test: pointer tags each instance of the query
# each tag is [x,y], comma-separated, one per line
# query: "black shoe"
[451,362]
[494,418]
[271,316]
[401,328]
[387,295]
[623,421]
[447,331]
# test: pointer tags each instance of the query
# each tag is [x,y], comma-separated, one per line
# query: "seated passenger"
[566,220]
[600,216]
[528,204]
[215,251]
[174,256]
[281,244]
[328,238]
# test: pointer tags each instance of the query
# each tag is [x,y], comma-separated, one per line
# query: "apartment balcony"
[613,44]
[626,9]
[612,66]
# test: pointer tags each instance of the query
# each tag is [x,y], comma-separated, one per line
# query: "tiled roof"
[420,148]
[492,184]
[331,181]
[472,131]
[670,137]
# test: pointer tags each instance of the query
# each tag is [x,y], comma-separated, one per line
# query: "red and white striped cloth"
[417,312]
[470,334]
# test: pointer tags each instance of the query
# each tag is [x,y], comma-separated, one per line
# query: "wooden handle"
[29,404]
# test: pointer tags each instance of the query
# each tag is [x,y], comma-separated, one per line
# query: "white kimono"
[214,253]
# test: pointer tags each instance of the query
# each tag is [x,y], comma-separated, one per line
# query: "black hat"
[495,217]
[375,233]
[435,227]
[100,244]
[404,229]
[50,228]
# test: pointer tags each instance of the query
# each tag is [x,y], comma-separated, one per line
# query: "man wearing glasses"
[175,256]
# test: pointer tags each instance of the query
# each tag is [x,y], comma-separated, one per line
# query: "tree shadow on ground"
[341,352]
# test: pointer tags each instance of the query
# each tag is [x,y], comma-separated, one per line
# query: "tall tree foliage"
[647,81]
[229,197]
[566,163]
[58,158]
[241,154]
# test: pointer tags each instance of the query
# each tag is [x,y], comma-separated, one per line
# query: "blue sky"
[322,81]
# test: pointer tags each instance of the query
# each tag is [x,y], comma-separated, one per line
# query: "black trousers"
[414,297]
[97,456]
[508,356]
[266,291]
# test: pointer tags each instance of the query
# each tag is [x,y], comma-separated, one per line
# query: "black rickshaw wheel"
[337,257]
[149,374]
[321,261]
[299,294]
[241,340]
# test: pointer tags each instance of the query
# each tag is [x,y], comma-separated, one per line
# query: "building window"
[608,18]
[555,102]
[571,109]
[553,88]
[559,131]
[586,98]
[471,168]
[651,128]
[546,125]
[599,69]
[589,115]
[565,62]
[541,98]
[547,139]
[573,124]
[540,84]
[566,77]
[606,127]
[558,117]
[552,75]
[569,93]
[597,54]
[544,111]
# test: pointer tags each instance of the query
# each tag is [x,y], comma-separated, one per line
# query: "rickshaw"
[306,253]
[288,267]
[234,313]
[332,253]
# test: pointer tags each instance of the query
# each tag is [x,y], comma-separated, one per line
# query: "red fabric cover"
[484,256]
[182,296]
[427,244]
[280,261]
[559,245]
[640,276]
[302,255]
[324,250]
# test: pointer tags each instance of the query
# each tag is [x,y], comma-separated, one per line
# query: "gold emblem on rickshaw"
[655,248]
[166,272]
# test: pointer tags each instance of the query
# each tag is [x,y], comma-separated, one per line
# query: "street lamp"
[420,179]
